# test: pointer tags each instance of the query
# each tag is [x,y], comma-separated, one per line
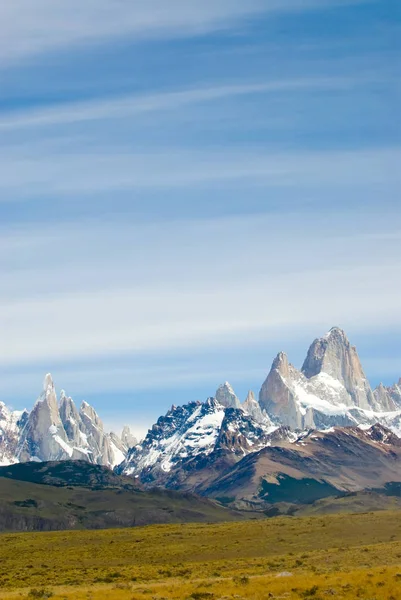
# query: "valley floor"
[340,556]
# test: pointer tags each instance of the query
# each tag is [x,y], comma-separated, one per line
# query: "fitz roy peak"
[330,389]
[194,445]
[59,431]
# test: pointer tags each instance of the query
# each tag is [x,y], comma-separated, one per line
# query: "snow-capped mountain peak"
[57,431]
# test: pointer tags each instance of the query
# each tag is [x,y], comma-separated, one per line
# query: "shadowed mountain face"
[68,473]
[316,465]
[79,495]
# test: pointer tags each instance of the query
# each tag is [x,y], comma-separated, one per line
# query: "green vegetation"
[78,495]
[344,556]
[306,490]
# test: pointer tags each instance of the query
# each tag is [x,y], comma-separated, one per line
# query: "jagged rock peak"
[281,364]
[334,356]
[48,384]
[277,397]
[49,393]
[338,333]
[87,412]
[57,431]
[252,407]
[325,353]
[280,360]
[226,396]
[127,438]
[250,397]
[388,398]
[379,433]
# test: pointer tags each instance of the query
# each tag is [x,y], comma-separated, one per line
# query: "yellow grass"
[338,556]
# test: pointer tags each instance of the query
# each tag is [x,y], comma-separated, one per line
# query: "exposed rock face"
[127,438]
[226,396]
[379,433]
[53,431]
[44,437]
[103,449]
[331,389]
[388,398]
[277,396]
[334,355]
[252,407]
[71,420]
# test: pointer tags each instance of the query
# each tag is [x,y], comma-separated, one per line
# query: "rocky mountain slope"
[57,430]
[179,445]
[199,445]
[318,464]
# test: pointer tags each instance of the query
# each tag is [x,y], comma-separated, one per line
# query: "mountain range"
[321,428]
[233,452]
[56,430]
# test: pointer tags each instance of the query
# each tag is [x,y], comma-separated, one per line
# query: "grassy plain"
[340,556]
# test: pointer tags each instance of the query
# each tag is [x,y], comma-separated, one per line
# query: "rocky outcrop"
[334,356]
[44,437]
[128,439]
[252,407]
[278,396]
[71,421]
[57,431]
[103,449]
[388,398]
[226,396]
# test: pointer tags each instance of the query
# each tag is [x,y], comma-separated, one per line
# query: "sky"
[188,188]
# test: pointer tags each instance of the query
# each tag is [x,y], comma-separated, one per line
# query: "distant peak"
[226,396]
[226,386]
[280,361]
[250,397]
[86,408]
[48,382]
[336,332]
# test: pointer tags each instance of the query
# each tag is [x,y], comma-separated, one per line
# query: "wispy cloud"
[217,290]
[29,27]
[134,104]
[63,173]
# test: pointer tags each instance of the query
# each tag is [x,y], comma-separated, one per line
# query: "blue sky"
[187,188]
